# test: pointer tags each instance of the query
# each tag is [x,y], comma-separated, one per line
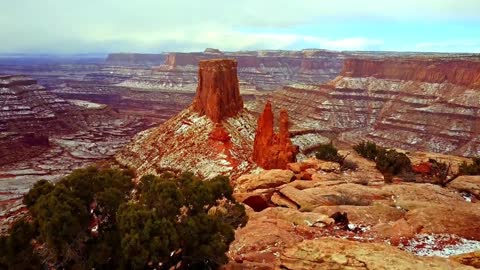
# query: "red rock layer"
[270,150]
[461,72]
[218,93]
[219,134]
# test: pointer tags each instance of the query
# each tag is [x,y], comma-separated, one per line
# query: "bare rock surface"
[328,253]
[353,220]
[467,183]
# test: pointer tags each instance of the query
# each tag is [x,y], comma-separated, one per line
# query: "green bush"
[192,218]
[173,214]
[470,169]
[328,152]
[368,150]
[16,251]
[391,162]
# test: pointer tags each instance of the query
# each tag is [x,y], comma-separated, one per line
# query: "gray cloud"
[155,25]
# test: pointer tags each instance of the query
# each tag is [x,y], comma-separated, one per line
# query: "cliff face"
[218,94]
[420,104]
[271,150]
[459,72]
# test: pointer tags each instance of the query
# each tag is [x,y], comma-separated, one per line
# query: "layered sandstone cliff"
[218,94]
[416,103]
[273,150]
[454,71]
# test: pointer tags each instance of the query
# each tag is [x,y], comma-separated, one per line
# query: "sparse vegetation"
[470,169]
[388,162]
[91,219]
[368,150]
[329,152]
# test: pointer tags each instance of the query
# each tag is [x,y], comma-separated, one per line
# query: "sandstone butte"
[271,150]
[218,94]
[213,136]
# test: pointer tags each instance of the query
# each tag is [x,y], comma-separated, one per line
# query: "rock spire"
[272,150]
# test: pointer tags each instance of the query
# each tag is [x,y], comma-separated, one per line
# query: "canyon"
[413,103]
[193,111]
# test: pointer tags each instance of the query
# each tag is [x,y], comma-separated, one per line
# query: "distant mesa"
[273,150]
[218,93]
[454,71]
[213,51]
[135,59]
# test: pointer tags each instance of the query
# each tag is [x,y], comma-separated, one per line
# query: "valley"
[259,117]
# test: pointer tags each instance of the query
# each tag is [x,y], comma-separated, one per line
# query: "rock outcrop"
[352,220]
[218,94]
[213,136]
[273,150]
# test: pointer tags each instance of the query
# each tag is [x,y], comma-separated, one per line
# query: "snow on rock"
[441,245]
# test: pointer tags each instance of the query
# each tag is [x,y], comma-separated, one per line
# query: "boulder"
[342,194]
[283,201]
[264,180]
[318,164]
[467,183]
[261,241]
[298,218]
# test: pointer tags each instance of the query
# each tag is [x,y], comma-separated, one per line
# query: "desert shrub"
[62,214]
[89,220]
[16,251]
[470,169]
[328,152]
[173,214]
[440,171]
[368,150]
[40,188]
[391,162]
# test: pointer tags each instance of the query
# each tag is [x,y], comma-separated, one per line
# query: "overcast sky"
[101,26]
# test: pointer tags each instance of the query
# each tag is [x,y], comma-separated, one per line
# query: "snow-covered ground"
[442,245]
[86,104]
